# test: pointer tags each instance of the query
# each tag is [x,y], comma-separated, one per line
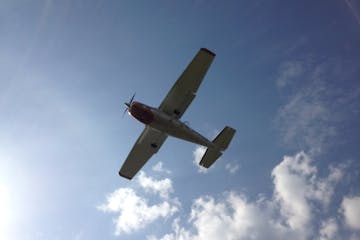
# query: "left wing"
[147,144]
[184,90]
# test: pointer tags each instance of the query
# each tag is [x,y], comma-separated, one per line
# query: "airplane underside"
[170,125]
[164,120]
[178,129]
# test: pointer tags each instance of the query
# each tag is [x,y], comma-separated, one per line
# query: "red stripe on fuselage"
[141,112]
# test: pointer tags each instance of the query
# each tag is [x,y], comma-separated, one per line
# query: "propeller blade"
[128,104]
[132,98]
[124,112]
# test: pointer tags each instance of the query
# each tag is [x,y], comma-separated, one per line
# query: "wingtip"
[124,176]
[208,51]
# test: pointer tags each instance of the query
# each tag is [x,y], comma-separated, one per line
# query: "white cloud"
[288,215]
[350,208]
[297,184]
[179,233]
[162,187]
[336,173]
[323,189]
[198,153]
[158,167]
[291,189]
[232,217]
[134,211]
[329,229]
[232,167]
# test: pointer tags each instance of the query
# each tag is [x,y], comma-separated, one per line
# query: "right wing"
[147,144]
[184,90]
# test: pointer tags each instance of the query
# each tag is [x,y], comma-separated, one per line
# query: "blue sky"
[286,76]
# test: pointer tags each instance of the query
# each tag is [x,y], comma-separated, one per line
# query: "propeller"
[128,104]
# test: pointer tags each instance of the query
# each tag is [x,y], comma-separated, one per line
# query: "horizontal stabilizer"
[223,139]
[210,156]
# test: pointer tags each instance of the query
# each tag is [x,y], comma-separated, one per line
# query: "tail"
[221,142]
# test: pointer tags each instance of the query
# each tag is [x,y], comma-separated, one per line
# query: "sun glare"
[4,209]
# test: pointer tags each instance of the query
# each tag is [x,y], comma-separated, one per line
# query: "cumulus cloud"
[134,211]
[286,215]
[350,207]
[290,179]
[198,153]
[290,213]
[232,217]
[232,167]
[297,184]
[162,187]
[179,233]
[158,167]
[329,229]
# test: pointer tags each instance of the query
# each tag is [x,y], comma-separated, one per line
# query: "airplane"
[165,121]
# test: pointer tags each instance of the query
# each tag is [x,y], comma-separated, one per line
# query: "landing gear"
[177,112]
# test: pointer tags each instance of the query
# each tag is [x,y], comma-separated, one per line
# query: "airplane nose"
[127,104]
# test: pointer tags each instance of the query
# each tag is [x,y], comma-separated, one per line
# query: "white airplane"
[165,120]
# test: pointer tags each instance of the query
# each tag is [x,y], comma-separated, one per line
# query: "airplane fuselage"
[163,122]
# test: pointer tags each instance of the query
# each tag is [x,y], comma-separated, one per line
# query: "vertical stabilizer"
[221,141]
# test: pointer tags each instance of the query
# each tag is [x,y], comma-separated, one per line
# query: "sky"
[286,77]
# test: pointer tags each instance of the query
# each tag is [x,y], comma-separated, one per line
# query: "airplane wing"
[184,90]
[146,145]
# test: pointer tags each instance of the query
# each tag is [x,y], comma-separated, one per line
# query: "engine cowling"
[141,112]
